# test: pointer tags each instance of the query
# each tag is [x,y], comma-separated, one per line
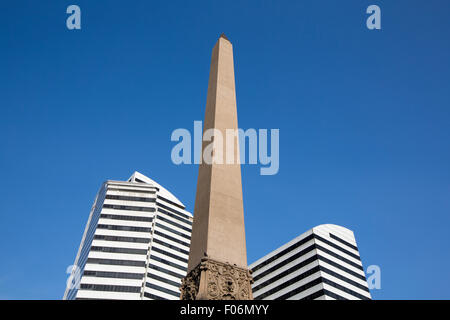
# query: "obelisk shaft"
[218,233]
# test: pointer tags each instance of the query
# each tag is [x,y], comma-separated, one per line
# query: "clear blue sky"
[364,119]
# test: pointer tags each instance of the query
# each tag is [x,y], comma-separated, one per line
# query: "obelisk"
[217,268]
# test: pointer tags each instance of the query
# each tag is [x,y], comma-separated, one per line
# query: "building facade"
[135,245]
[323,263]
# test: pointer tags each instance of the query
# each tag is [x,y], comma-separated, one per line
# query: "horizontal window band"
[171,238]
[153,296]
[162,289]
[316,282]
[284,262]
[167,262]
[345,289]
[173,210]
[345,279]
[337,265]
[178,233]
[301,265]
[126,218]
[323,292]
[338,256]
[343,242]
[124,228]
[130,208]
[163,270]
[160,217]
[165,244]
[132,190]
[129,198]
[121,239]
[108,274]
[171,202]
[118,250]
[170,282]
[305,251]
[300,289]
[291,282]
[170,214]
[283,252]
[115,262]
[335,246]
[285,273]
[114,288]
[300,243]
[171,255]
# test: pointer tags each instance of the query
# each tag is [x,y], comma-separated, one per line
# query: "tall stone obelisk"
[217,268]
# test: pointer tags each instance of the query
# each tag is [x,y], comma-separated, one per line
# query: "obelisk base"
[213,280]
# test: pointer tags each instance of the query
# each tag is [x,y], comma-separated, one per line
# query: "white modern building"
[135,245]
[323,263]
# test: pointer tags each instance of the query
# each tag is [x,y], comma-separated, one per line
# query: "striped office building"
[135,245]
[323,263]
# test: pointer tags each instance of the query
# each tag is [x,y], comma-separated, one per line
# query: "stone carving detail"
[223,282]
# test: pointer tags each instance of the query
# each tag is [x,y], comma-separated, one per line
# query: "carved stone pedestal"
[213,280]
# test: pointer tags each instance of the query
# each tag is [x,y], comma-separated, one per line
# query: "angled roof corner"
[163,191]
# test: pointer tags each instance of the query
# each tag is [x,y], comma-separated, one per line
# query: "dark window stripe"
[122,239]
[345,279]
[285,273]
[337,265]
[174,256]
[108,274]
[331,244]
[156,287]
[292,281]
[343,242]
[283,252]
[119,250]
[187,221]
[117,262]
[334,295]
[338,256]
[170,246]
[300,243]
[153,296]
[178,233]
[130,198]
[171,202]
[132,208]
[173,210]
[300,289]
[284,262]
[174,223]
[123,228]
[323,292]
[132,190]
[127,218]
[152,257]
[172,283]
[163,270]
[347,290]
[314,295]
[103,287]
[305,263]
[315,282]
[171,238]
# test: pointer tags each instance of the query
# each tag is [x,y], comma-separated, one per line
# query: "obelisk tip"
[224,36]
